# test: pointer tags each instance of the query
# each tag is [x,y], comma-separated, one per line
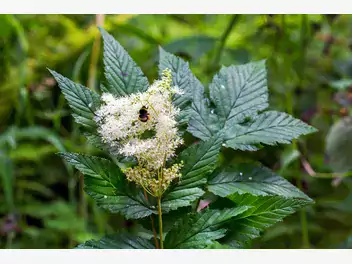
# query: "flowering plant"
[179,190]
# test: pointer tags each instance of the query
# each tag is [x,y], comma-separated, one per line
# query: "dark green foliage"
[238,92]
[201,229]
[269,128]
[123,75]
[201,160]
[181,76]
[305,74]
[253,179]
[121,241]
[105,182]
[262,214]
[83,102]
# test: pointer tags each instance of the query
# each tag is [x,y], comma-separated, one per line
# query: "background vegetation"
[309,62]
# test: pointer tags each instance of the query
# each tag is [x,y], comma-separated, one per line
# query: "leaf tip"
[263,61]
[102,31]
[161,49]
[61,154]
[52,72]
[162,52]
[57,76]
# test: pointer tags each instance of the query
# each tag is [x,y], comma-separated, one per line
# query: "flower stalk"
[160,223]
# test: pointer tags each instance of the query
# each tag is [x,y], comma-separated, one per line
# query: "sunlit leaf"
[239,92]
[122,73]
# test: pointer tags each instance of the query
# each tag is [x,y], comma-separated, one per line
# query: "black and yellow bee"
[143,114]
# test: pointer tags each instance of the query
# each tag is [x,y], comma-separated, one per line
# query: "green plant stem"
[95,54]
[154,233]
[234,19]
[160,223]
[152,220]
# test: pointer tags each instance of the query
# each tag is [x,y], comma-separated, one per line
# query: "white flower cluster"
[152,139]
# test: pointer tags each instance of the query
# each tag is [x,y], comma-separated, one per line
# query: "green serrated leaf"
[253,179]
[118,241]
[180,198]
[203,122]
[83,101]
[106,184]
[201,229]
[269,128]
[239,92]
[142,232]
[183,78]
[181,75]
[199,162]
[95,167]
[123,75]
[96,141]
[263,213]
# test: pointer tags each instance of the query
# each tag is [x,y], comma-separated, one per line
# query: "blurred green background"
[309,61]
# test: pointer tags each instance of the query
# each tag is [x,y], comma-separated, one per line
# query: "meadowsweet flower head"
[152,139]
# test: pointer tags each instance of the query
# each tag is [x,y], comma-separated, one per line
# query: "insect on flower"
[143,114]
